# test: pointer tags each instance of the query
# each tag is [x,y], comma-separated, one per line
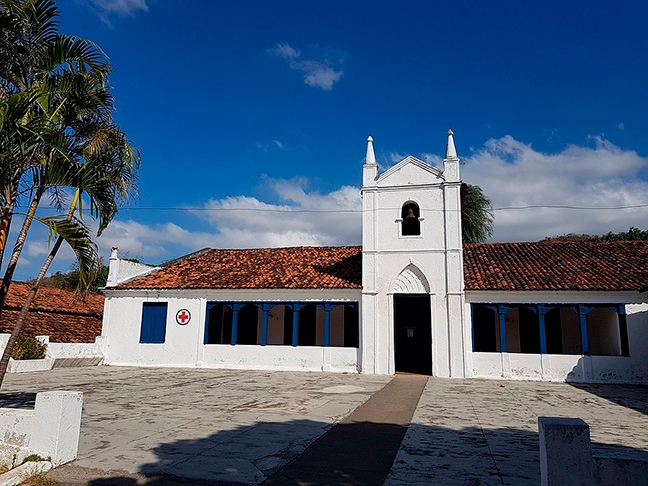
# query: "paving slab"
[221,425]
[484,432]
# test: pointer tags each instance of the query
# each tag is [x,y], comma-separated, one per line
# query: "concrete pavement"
[243,426]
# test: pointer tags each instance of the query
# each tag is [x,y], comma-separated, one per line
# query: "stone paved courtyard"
[241,426]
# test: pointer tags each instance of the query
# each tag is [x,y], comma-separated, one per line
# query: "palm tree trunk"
[4,362]
[5,224]
[20,243]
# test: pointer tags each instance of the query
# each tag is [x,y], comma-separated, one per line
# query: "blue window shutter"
[154,315]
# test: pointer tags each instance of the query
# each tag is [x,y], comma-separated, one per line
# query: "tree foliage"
[476,214]
[70,280]
[633,234]
[57,135]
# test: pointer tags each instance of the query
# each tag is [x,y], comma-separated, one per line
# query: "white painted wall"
[184,346]
[563,367]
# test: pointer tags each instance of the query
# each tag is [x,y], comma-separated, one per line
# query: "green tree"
[476,214]
[77,145]
[633,234]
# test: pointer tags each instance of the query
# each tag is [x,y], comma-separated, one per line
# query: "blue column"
[327,325]
[582,315]
[502,325]
[264,326]
[295,329]
[235,311]
[543,330]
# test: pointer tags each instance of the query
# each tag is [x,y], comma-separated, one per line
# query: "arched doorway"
[412,323]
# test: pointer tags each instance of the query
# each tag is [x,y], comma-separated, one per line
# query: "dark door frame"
[412,331]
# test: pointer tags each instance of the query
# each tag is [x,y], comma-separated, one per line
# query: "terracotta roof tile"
[60,314]
[557,265]
[265,268]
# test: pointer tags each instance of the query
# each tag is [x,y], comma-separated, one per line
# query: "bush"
[28,347]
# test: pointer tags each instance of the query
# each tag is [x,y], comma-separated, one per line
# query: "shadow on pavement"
[429,455]
[634,397]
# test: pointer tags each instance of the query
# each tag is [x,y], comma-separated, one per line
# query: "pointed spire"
[370,158]
[451,151]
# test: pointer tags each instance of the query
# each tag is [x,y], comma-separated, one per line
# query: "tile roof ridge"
[183,258]
[277,248]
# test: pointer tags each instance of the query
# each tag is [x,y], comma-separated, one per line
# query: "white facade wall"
[564,367]
[183,345]
[430,263]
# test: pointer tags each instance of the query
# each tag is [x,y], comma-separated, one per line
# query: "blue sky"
[247,110]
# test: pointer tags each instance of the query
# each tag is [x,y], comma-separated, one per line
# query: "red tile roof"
[557,265]
[487,266]
[266,268]
[60,314]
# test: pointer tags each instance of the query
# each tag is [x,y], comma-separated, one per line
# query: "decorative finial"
[370,159]
[451,151]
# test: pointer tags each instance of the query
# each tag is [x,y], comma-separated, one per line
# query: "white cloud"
[151,243]
[302,218]
[120,7]
[510,172]
[323,73]
[278,144]
[621,126]
[513,174]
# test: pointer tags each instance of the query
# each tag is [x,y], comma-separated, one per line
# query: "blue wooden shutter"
[154,315]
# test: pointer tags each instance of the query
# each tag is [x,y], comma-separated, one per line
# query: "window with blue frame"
[154,317]
[288,324]
[595,330]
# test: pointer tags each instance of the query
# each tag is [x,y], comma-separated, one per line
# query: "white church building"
[412,298]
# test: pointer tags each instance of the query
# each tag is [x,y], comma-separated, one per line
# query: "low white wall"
[300,358]
[58,354]
[73,350]
[557,367]
[51,429]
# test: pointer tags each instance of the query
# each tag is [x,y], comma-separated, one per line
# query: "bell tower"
[412,266]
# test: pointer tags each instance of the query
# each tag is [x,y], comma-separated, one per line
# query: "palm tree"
[33,56]
[64,77]
[476,214]
[73,142]
[106,178]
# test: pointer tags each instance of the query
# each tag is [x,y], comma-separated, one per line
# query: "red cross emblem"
[183,317]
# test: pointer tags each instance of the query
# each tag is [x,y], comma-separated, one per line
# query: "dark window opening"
[307,326]
[288,326]
[562,330]
[248,325]
[410,225]
[219,325]
[351,327]
[485,327]
[529,331]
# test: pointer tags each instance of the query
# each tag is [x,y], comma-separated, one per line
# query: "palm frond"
[77,235]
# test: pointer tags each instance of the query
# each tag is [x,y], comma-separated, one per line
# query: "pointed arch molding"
[411,281]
